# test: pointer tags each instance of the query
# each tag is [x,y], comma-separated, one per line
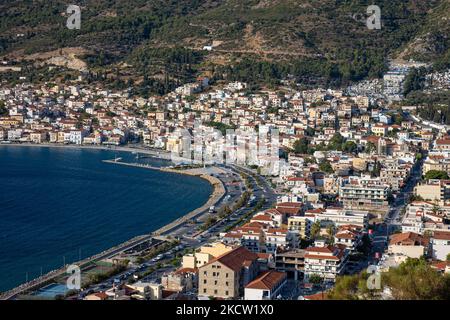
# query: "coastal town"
[358,183]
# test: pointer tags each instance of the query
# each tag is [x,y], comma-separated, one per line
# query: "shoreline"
[161,154]
[216,196]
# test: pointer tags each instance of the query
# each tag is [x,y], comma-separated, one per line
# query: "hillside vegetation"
[159,43]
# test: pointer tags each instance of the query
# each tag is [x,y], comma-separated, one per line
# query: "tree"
[336,142]
[414,81]
[315,230]
[350,147]
[301,145]
[315,279]
[3,109]
[414,279]
[436,174]
[370,148]
[326,167]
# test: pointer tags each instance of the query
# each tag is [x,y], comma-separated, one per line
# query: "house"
[349,236]
[146,290]
[181,280]
[98,296]
[409,244]
[227,275]
[266,286]
[440,245]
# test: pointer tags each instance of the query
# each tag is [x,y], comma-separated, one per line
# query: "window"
[226,283]
[204,281]
[226,292]
[205,273]
[215,291]
[204,290]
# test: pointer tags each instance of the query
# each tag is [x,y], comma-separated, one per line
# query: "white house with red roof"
[349,236]
[267,286]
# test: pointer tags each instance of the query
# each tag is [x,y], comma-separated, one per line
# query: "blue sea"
[65,203]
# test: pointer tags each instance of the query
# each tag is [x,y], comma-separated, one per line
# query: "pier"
[137,165]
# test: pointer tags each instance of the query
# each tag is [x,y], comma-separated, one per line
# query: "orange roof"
[262,217]
[235,258]
[408,238]
[267,280]
[441,235]
[317,296]
[186,270]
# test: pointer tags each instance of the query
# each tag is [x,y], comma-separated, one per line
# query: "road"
[392,220]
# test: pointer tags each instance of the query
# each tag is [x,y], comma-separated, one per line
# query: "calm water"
[57,203]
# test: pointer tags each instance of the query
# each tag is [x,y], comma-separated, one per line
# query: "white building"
[266,286]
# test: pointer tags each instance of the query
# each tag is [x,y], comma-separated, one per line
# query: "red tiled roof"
[408,238]
[441,235]
[267,280]
[317,296]
[235,258]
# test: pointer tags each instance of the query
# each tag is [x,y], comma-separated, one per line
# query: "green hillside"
[159,43]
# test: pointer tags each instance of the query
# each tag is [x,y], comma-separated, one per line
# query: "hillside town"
[359,183]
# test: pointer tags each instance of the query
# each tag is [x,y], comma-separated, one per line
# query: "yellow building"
[205,255]
[300,224]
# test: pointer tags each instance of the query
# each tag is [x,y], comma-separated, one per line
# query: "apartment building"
[365,196]
[438,162]
[325,261]
[291,261]
[300,225]
[443,144]
[275,238]
[342,216]
[434,190]
[227,275]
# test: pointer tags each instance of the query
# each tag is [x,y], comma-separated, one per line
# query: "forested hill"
[253,40]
